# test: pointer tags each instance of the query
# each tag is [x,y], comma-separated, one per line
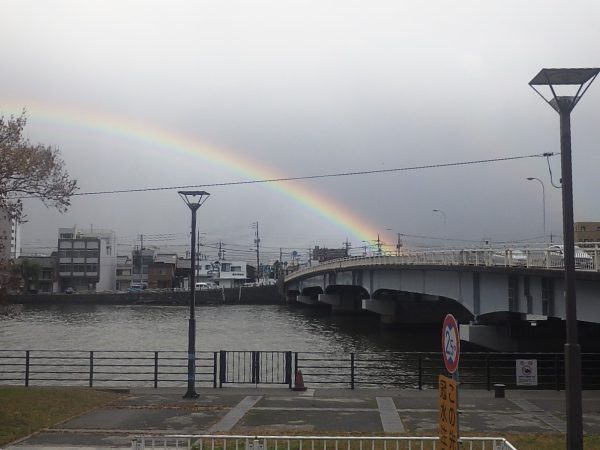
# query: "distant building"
[141,261]
[87,261]
[230,274]
[161,273]
[124,271]
[38,273]
[587,231]
[326,254]
[10,237]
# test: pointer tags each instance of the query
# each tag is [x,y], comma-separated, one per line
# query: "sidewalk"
[281,411]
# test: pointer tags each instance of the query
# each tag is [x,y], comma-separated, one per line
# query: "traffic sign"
[450,343]
[527,373]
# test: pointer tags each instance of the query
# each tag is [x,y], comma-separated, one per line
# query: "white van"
[206,286]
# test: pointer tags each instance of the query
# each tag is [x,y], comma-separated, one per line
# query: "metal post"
[91,369]
[191,390]
[351,370]
[27,368]
[214,369]
[420,368]
[155,370]
[572,348]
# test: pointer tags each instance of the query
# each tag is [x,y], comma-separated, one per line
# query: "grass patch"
[25,410]
[548,441]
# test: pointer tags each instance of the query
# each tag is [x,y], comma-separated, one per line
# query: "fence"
[319,369]
[232,442]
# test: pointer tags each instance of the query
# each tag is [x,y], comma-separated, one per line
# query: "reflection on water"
[219,327]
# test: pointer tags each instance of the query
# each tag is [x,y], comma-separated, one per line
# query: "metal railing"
[237,442]
[547,257]
[416,370]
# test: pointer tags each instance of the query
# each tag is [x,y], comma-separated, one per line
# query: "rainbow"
[353,225]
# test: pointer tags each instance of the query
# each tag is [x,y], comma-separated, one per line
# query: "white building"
[87,260]
[10,237]
[230,274]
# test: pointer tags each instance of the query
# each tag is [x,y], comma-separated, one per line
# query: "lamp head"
[566,86]
[530,178]
[194,199]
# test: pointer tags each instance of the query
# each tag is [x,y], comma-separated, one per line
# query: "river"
[219,327]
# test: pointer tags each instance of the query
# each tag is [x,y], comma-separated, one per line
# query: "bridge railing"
[416,370]
[587,258]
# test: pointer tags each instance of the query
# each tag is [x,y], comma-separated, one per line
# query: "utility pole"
[309,253]
[220,250]
[257,242]
[141,260]
[398,245]
[379,243]
[347,247]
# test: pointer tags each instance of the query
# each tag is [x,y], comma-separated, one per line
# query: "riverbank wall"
[258,295]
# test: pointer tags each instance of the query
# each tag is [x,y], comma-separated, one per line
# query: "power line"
[313,177]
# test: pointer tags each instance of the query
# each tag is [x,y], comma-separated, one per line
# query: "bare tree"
[27,170]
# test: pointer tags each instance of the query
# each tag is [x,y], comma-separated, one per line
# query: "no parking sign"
[527,372]
[450,343]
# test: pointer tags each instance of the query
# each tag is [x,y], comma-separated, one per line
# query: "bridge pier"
[306,300]
[340,303]
[494,337]
[385,308]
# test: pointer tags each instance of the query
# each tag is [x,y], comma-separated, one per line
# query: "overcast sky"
[302,88]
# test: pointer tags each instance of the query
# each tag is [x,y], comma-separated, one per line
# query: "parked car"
[557,256]
[69,290]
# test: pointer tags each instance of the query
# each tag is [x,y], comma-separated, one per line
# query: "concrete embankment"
[259,295]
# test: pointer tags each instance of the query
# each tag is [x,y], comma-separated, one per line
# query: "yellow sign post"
[448,417]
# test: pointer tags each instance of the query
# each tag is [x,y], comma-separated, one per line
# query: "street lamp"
[543,203]
[444,220]
[194,199]
[579,80]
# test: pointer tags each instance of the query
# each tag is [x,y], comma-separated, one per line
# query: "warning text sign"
[448,416]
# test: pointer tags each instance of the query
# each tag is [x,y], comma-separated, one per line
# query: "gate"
[255,367]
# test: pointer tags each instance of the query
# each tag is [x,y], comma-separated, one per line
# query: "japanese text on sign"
[448,416]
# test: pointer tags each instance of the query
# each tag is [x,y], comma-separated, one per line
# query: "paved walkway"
[282,411]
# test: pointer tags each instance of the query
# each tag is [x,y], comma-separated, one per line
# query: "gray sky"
[281,88]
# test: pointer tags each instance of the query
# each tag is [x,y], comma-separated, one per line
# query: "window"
[91,267]
[236,268]
[64,267]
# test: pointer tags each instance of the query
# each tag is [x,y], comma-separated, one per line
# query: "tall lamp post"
[543,203]
[444,222]
[194,199]
[578,80]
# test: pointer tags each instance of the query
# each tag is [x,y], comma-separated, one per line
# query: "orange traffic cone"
[299,382]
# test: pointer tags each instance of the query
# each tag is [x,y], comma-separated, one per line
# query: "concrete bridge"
[503,298]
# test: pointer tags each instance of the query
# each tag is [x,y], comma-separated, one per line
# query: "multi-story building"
[229,274]
[10,237]
[124,270]
[161,273]
[587,231]
[87,261]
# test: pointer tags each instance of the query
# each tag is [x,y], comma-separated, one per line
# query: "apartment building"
[10,237]
[587,231]
[87,260]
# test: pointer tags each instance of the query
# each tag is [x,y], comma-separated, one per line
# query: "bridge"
[503,298]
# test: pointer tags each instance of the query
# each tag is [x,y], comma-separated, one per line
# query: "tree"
[27,171]
[30,171]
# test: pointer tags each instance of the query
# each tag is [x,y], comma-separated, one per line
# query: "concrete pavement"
[281,411]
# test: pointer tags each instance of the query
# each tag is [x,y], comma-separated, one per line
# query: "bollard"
[499,390]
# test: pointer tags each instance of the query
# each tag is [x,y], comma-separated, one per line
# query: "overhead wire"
[313,177]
